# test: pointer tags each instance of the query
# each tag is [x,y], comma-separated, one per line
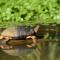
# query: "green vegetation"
[29,12]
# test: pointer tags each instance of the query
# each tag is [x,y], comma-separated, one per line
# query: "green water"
[50,51]
[35,55]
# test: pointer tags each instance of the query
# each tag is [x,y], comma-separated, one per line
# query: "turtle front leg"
[33,40]
[1,37]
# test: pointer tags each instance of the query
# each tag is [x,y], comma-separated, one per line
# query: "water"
[18,51]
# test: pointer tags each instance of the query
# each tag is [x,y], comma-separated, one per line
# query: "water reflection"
[18,51]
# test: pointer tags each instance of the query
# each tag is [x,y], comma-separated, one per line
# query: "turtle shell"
[18,32]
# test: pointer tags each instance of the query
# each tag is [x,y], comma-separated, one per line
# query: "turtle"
[18,32]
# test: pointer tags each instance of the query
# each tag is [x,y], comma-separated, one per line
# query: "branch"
[24,42]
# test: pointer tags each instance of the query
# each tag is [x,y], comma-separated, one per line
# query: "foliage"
[29,12]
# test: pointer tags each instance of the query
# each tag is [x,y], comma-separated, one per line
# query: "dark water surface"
[50,51]
[26,54]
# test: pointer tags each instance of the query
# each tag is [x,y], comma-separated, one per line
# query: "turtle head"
[36,28]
